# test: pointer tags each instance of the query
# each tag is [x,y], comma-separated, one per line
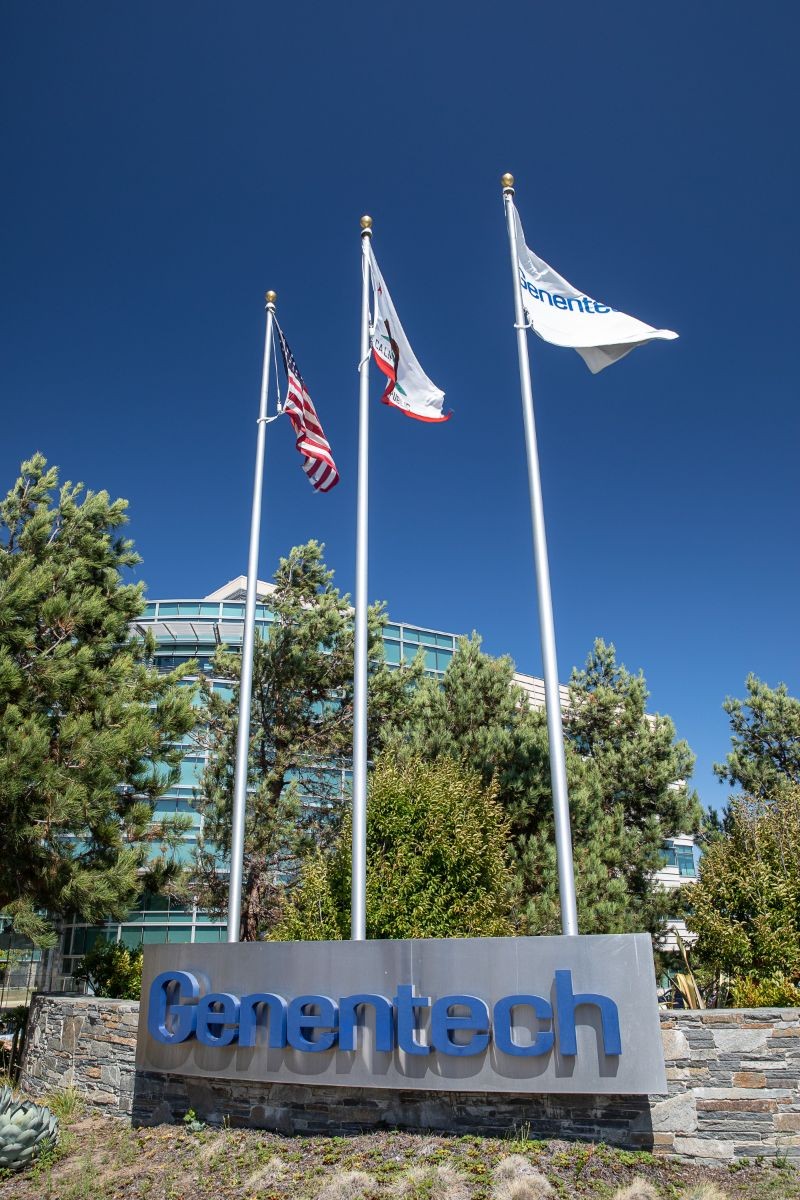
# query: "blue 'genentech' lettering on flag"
[565,316]
[315,1023]
[556,300]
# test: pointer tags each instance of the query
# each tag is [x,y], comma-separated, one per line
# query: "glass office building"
[194,629]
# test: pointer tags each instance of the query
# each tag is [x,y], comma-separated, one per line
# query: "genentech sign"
[494,1014]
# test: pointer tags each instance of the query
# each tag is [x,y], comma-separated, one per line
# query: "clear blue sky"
[165,164]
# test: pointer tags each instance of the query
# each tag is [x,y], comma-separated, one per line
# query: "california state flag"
[409,388]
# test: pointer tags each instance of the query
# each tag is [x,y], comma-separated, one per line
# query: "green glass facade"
[194,629]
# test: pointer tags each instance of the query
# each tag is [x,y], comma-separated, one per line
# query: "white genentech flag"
[562,315]
[409,388]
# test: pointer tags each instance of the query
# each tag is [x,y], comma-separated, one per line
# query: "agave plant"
[26,1129]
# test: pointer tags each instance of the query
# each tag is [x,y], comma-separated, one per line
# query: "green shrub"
[112,970]
[437,848]
[776,991]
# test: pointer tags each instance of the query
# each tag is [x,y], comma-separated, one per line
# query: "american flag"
[311,441]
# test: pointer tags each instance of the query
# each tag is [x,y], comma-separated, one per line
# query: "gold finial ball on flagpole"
[507,181]
[366,224]
[271,297]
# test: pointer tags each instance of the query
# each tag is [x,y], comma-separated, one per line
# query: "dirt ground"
[104,1159]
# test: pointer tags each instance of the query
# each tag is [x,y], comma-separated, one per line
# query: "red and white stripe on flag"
[311,441]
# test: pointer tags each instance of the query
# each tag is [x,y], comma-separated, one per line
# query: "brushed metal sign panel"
[617,967]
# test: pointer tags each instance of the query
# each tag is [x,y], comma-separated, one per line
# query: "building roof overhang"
[236,589]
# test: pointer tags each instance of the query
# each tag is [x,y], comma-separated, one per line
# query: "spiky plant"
[26,1130]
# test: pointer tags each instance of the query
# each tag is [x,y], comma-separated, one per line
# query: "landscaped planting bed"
[100,1158]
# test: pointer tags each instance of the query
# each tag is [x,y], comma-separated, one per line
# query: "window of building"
[681,857]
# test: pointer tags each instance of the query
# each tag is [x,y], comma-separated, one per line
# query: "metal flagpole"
[358,890]
[248,640]
[555,732]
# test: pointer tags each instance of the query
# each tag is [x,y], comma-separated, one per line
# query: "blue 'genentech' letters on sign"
[313,1023]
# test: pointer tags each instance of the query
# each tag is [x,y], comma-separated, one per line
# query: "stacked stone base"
[734,1081]
[82,1042]
[733,1077]
[301,1109]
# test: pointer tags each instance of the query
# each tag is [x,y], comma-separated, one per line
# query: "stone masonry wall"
[733,1078]
[734,1083]
[84,1042]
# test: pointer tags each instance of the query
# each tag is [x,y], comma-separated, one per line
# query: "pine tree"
[623,768]
[301,736]
[641,772]
[765,734]
[475,713]
[87,726]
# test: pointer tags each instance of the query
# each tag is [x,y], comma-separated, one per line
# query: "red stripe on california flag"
[419,416]
[391,375]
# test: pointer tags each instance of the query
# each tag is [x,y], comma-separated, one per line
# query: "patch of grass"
[104,1159]
[42,1167]
[639,1189]
[526,1187]
[706,1191]
[413,1184]
[584,1156]
[127,1148]
[347,1185]
[515,1178]
[82,1184]
[630,1158]
[66,1103]
[522,1144]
